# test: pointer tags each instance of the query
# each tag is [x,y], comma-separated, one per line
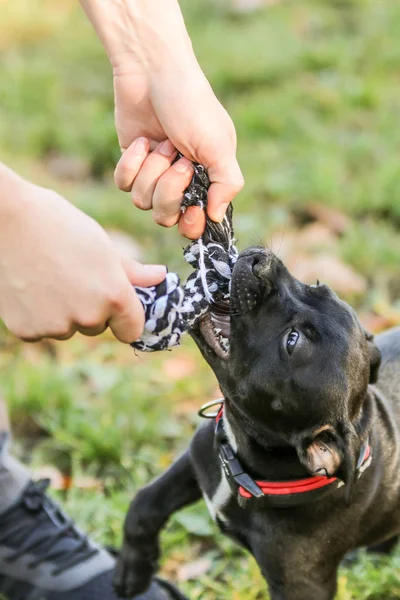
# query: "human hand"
[60,273]
[195,123]
[161,95]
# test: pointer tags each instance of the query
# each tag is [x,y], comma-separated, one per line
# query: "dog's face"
[298,364]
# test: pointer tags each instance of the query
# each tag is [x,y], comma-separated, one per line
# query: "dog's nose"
[259,261]
[261,264]
[252,277]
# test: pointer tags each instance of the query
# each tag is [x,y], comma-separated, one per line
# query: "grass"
[313,90]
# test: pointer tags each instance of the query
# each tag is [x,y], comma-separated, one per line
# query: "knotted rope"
[171,309]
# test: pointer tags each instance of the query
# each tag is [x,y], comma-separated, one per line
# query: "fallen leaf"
[315,236]
[328,269]
[335,220]
[60,481]
[68,168]
[194,569]
[179,367]
[374,323]
[389,312]
[57,479]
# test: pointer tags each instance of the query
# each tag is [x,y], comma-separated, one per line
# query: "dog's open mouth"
[215,328]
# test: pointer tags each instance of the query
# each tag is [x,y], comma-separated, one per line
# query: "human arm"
[59,272]
[161,93]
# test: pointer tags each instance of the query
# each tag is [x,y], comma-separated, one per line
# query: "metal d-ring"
[205,415]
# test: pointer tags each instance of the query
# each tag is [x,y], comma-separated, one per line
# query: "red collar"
[278,494]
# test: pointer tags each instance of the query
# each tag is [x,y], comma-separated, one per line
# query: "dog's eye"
[292,340]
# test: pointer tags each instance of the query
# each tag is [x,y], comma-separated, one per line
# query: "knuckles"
[165,220]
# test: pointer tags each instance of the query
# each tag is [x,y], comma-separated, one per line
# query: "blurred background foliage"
[313,88]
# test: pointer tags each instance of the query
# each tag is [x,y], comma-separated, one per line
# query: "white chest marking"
[219,499]
[223,491]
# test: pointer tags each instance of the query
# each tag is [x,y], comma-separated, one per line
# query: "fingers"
[130,163]
[168,194]
[226,181]
[158,183]
[55,333]
[192,223]
[155,165]
[143,275]
[127,320]
[91,331]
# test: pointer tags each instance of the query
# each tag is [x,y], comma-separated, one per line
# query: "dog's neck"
[268,460]
[264,455]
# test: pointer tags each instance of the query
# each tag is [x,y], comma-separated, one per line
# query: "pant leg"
[14,477]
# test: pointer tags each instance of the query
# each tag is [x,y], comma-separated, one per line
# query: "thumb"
[143,275]
[127,319]
[226,181]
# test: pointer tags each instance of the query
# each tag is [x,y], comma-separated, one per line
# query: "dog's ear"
[323,455]
[334,452]
[375,357]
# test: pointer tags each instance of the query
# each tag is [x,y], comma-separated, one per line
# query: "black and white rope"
[172,309]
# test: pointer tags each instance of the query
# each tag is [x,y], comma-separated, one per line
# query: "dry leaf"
[330,270]
[314,236]
[389,312]
[374,323]
[68,168]
[57,479]
[179,367]
[335,220]
[194,569]
[60,481]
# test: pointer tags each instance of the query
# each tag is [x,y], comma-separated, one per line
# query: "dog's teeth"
[224,342]
[217,330]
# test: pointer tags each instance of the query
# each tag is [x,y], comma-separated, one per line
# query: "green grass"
[313,88]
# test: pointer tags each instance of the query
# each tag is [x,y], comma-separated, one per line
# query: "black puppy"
[303,462]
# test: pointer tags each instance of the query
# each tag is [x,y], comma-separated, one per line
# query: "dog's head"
[298,365]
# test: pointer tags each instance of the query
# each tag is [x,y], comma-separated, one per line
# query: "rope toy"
[171,309]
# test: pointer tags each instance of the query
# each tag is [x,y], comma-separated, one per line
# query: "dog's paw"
[134,571]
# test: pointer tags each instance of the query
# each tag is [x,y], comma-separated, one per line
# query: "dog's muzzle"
[252,277]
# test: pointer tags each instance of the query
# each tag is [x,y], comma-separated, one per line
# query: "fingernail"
[157,270]
[166,148]
[182,165]
[141,145]
[220,211]
[191,215]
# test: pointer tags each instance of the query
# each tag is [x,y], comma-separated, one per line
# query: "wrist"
[140,35]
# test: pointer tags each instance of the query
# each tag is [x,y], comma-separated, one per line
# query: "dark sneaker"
[44,556]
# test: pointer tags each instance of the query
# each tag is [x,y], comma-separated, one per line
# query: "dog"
[302,463]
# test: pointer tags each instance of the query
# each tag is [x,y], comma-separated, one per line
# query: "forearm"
[147,31]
